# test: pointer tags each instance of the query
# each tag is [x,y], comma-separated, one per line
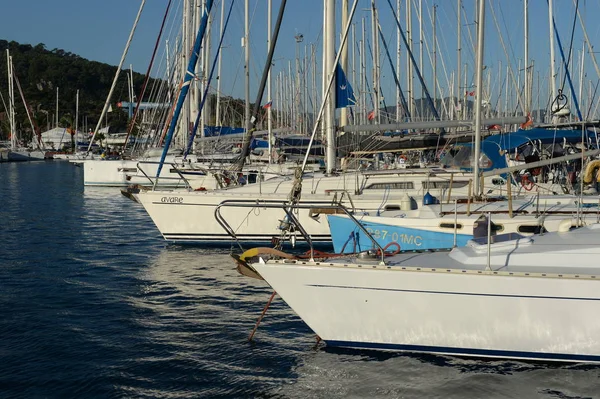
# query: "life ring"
[591,168]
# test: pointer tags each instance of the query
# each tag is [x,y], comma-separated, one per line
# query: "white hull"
[433,303]
[433,226]
[190,216]
[26,155]
[124,172]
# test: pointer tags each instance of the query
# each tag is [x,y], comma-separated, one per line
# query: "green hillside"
[40,71]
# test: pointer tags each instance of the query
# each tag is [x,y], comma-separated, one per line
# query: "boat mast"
[344,61]
[398,63]
[74,135]
[261,88]
[526,57]
[247,68]
[409,64]
[435,82]
[421,111]
[199,71]
[375,40]
[11,102]
[329,42]
[587,40]
[269,99]
[114,83]
[205,84]
[184,126]
[552,63]
[218,106]
[478,95]
[185,85]
[458,62]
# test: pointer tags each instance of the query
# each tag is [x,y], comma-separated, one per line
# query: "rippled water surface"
[93,303]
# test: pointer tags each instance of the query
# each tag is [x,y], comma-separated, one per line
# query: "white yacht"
[527,298]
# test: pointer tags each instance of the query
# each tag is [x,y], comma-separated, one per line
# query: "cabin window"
[403,185]
[427,185]
[128,170]
[253,176]
[392,208]
[451,226]
[531,229]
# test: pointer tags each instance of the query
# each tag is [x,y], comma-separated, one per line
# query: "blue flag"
[344,95]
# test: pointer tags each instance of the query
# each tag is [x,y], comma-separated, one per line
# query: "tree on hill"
[41,72]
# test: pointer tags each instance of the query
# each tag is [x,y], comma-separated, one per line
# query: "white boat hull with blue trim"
[538,299]
[347,237]
[437,227]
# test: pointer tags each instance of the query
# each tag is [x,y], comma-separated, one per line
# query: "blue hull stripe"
[564,357]
[454,293]
[408,238]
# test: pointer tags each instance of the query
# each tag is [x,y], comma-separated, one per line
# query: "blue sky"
[98,30]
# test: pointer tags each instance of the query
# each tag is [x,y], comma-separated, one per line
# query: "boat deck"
[572,253]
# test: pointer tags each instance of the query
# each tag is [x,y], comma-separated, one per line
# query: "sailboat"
[19,152]
[524,298]
[189,216]
[529,298]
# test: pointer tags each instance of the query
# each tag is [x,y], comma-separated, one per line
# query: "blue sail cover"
[344,94]
[494,147]
[214,131]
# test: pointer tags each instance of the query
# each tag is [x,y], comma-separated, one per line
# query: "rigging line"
[398,85]
[204,95]
[436,48]
[470,48]
[592,102]
[510,68]
[4,103]
[263,82]
[366,77]
[587,40]
[567,73]
[414,62]
[185,85]
[380,89]
[114,83]
[253,45]
[328,88]
[571,41]
[141,95]
[34,126]
[510,46]
[438,51]
[164,87]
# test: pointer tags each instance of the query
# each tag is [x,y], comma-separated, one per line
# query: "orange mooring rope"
[261,316]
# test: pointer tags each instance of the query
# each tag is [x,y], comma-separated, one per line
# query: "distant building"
[59,137]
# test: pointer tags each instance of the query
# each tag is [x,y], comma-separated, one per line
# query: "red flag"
[371,115]
[268,105]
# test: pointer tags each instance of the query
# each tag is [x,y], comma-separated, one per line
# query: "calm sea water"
[93,303]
